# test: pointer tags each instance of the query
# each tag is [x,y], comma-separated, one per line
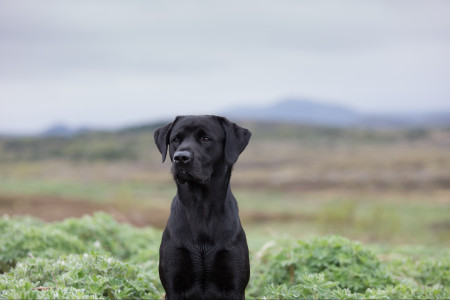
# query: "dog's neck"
[205,208]
[211,195]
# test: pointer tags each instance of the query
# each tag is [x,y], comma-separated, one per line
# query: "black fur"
[203,253]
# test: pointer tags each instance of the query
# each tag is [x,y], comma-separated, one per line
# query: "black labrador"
[204,252]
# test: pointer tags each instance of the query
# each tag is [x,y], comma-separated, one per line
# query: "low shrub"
[95,257]
[92,276]
[27,237]
[22,237]
[314,286]
[428,271]
[339,259]
[121,240]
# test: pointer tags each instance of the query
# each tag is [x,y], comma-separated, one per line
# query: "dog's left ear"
[236,139]
[161,136]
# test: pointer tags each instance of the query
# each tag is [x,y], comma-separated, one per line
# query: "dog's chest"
[203,255]
[210,262]
[207,248]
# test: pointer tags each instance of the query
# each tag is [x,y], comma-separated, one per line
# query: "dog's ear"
[236,139]
[162,136]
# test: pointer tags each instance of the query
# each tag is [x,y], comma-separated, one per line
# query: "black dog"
[204,252]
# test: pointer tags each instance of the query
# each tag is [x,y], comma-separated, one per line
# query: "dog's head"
[200,145]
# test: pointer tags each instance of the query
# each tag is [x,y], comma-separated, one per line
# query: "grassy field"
[98,258]
[385,186]
[389,189]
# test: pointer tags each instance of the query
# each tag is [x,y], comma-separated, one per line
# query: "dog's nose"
[182,157]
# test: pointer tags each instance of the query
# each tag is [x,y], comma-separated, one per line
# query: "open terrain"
[389,189]
[385,186]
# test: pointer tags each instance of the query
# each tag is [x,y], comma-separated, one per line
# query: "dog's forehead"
[191,124]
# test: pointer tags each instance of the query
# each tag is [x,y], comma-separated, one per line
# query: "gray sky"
[112,63]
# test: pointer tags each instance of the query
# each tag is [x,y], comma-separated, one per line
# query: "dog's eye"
[206,139]
[176,140]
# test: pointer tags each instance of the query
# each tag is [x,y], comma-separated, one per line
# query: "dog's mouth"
[183,175]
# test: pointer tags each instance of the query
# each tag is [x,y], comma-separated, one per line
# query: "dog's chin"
[183,176]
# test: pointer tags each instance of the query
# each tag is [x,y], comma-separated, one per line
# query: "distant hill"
[296,111]
[62,130]
[58,130]
[425,120]
[323,114]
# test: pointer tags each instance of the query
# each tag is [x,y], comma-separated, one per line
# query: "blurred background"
[349,105]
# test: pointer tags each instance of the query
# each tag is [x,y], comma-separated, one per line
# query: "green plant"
[314,286]
[311,286]
[339,259]
[77,259]
[27,237]
[22,237]
[94,275]
[95,257]
[428,271]
[121,240]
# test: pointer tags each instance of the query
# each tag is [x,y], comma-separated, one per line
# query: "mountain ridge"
[297,111]
[323,114]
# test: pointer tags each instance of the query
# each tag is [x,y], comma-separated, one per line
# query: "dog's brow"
[177,133]
[202,131]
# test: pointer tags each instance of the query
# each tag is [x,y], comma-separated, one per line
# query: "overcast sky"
[114,63]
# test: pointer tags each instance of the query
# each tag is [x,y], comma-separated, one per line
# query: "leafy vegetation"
[23,237]
[315,286]
[376,186]
[90,257]
[340,260]
[98,258]
[94,275]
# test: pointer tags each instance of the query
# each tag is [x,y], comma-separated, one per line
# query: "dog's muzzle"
[182,168]
[182,157]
